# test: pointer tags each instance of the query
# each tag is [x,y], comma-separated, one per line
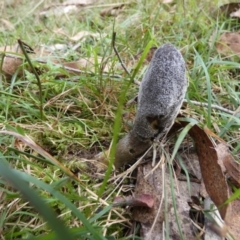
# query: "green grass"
[81,114]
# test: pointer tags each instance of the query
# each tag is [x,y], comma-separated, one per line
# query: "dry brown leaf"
[213,177]
[154,186]
[212,134]
[143,200]
[12,57]
[11,64]
[231,166]
[228,44]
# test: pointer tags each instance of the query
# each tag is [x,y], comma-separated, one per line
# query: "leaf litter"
[213,179]
[212,175]
[228,43]
[152,186]
[13,59]
[65,8]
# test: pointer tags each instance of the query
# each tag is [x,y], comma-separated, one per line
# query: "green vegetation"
[79,112]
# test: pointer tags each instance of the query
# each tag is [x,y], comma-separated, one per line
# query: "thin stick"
[119,58]
[21,45]
[204,104]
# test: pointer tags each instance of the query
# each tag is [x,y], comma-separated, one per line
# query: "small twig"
[21,45]
[119,58]
[133,100]
[204,104]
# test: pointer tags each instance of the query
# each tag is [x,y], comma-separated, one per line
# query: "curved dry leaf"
[12,58]
[11,64]
[29,142]
[232,167]
[212,174]
[228,44]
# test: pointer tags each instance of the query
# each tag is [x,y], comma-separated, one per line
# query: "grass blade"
[35,200]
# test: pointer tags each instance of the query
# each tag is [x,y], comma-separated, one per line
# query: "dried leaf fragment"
[153,185]
[228,44]
[143,200]
[12,58]
[212,174]
[232,167]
